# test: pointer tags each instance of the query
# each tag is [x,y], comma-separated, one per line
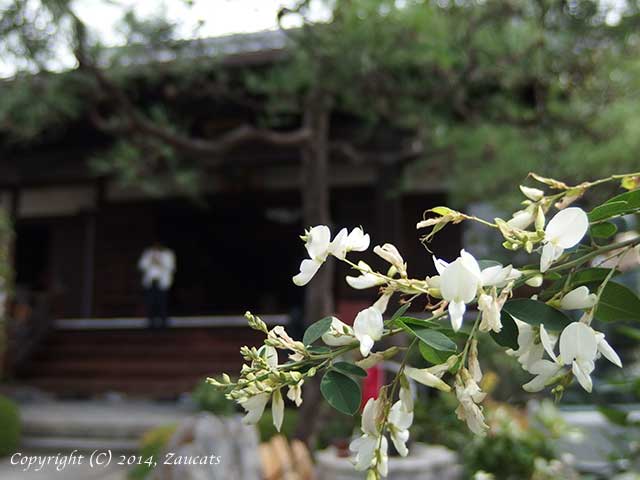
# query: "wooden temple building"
[78,326]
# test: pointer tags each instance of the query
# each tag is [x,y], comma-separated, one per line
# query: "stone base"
[425,462]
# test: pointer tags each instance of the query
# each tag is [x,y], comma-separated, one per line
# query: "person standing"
[158,264]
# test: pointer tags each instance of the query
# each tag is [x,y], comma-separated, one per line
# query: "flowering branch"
[541,326]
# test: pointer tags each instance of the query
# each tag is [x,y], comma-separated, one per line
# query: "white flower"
[578,299]
[469,395]
[339,334]
[365,447]
[474,364]
[530,350]
[498,276]
[317,242]
[295,393]
[319,246]
[366,279]
[459,283]
[383,302]
[254,406]
[390,253]
[564,230]
[357,241]
[406,397]
[546,372]
[400,420]
[431,377]
[490,306]
[605,349]
[308,268]
[578,348]
[521,219]
[533,194]
[367,328]
[277,409]
[535,281]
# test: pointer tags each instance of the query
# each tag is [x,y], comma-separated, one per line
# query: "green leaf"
[583,277]
[316,330]
[341,392]
[607,210]
[535,312]
[418,322]
[619,205]
[400,312]
[603,230]
[617,303]
[431,354]
[433,338]
[508,336]
[349,369]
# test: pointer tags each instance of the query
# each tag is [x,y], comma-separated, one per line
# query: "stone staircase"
[58,426]
[153,364]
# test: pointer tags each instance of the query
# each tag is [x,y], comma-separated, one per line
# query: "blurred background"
[221,129]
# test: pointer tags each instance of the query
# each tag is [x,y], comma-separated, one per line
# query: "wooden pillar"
[388,205]
[89,260]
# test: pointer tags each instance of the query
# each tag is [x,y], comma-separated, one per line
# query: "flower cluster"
[555,340]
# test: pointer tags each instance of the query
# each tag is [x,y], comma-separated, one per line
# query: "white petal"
[365,447]
[366,344]
[406,397]
[366,280]
[399,439]
[577,342]
[610,354]
[439,264]
[521,219]
[534,194]
[357,241]
[383,302]
[383,465]
[550,253]
[547,342]
[458,282]
[399,417]
[254,406]
[370,417]
[493,275]
[425,377]
[567,227]
[582,373]
[277,409]
[578,298]
[456,314]
[545,371]
[338,247]
[368,322]
[308,268]
[318,240]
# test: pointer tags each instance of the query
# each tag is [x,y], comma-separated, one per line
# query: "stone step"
[98,420]
[81,444]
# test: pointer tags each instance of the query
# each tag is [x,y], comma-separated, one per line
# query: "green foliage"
[492,90]
[316,330]
[341,392]
[152,445]
[10,427]
[209,399]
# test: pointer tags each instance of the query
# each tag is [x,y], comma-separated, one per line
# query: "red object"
[372,384]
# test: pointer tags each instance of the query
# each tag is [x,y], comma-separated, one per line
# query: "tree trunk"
[319,301]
